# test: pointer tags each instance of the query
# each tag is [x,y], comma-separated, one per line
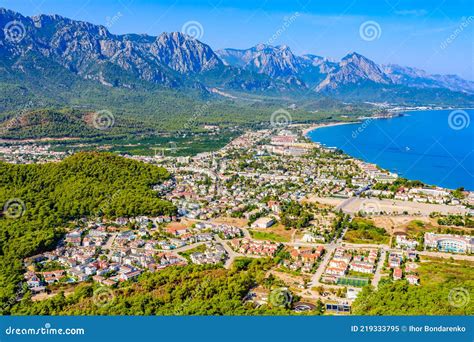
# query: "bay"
[433,146]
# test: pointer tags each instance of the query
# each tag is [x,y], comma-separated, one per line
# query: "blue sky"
[433,35]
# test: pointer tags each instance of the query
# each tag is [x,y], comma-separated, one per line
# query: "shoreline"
[322,125]
[338,123]
[311,128]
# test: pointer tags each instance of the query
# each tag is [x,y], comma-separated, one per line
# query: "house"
[412,255]
[121,221]
[73,238]
[336,271]
[413,279]
[338,308]
[362,267]
[32,280]
[53,276]
[403,242]
[176,231]
[98,278]
[410,267]
[129,275]
[319,250]
[310,237]
[310,257]
[338,264]
[395,260]
[397,273]
[274,206]
[109,282]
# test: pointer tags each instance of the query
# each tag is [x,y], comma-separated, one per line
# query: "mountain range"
[52,58]
[176,59]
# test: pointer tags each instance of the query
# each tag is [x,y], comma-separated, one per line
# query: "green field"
[258,235]
[349,281]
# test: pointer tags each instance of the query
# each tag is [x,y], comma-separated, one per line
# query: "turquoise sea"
[435,146]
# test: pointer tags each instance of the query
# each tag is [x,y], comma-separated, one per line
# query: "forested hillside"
[48,196]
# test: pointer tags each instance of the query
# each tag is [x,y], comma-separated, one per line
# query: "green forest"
[49,196]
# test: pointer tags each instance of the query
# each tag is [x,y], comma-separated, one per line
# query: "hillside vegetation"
[51,195]
[446,289]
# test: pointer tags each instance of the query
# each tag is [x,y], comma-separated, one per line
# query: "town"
[333,223]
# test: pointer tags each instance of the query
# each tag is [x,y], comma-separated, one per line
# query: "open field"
[328,201]
[439,270]
[276,233]
[237,222]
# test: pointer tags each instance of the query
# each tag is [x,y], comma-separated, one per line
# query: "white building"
[450,242]
[263,222]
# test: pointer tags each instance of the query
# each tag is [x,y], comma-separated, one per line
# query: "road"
[109,243]
[319,272]
[246,232]
[329,250]
[231,254]
[377,275]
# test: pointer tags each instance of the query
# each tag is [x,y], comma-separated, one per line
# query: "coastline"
[358,121]
[322,125]
[313,127]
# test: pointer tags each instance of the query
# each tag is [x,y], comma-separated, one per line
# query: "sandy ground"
[182,224]
[396,223]
[316,126]
[288,279]
[237,222]
[330,201]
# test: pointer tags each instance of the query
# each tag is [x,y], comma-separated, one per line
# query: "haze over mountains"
[54,46]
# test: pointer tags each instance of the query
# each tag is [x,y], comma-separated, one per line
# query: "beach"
[327,124]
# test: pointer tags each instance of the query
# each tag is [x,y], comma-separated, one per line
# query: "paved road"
[109,243]
[231,254]
[246,233]
[304,244]
[322,266]
[377,275]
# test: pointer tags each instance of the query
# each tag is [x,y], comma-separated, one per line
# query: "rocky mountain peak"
[183,53]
